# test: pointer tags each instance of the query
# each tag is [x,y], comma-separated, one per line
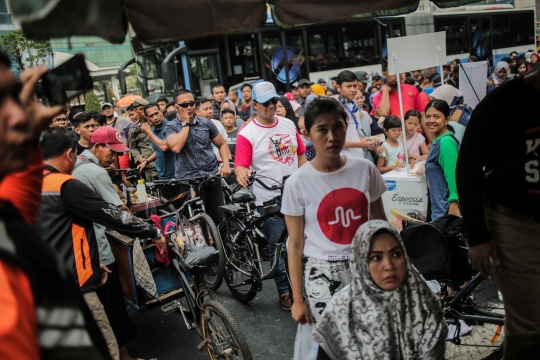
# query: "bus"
[283,56]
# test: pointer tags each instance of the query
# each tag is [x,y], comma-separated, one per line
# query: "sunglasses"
[187,104]
[273,101]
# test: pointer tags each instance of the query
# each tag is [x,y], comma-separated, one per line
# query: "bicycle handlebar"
[253,178]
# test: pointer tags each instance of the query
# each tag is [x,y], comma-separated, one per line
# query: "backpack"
[438,249]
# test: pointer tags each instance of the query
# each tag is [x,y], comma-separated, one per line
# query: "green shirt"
[448,159]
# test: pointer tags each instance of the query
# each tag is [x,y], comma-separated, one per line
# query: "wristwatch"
[185,123]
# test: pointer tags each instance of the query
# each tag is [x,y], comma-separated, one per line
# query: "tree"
[91,102]
[25,52]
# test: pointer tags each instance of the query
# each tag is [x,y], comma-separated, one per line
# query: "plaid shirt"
[197,157]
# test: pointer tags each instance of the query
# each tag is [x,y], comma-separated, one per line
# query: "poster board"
[476,73]
[416,52]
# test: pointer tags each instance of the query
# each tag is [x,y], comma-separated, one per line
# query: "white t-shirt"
[352,135]
[223,132]
[271,151]
[333,204]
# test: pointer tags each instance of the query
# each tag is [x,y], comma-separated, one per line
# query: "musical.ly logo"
[345,217]
[341,212]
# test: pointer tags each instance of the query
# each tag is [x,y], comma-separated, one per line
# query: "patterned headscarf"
[365,322]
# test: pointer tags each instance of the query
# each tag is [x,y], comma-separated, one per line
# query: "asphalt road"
[268,329]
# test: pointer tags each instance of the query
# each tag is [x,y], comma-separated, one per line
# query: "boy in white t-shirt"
[324,203]
[271,146]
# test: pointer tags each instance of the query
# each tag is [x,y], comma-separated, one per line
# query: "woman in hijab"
[285,109]
[387,312]
[501,74]
[534,60]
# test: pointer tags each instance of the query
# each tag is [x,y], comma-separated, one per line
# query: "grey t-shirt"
[93,175]
[121,124]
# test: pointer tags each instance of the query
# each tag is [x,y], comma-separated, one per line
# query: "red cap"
[109,136]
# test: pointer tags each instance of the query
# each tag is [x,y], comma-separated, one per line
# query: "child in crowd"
[228,120]
[322,218]
[204,109]
[416,142]
[310,151]
[393,156]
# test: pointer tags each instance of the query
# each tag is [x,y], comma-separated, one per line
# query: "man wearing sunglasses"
[190,137]
[271,146]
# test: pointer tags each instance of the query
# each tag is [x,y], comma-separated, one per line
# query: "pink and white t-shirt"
[271,151]
[413,144]
[333,204]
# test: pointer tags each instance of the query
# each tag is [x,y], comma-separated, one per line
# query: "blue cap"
[264,91]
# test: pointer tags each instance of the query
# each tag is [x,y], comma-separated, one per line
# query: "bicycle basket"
[273,206]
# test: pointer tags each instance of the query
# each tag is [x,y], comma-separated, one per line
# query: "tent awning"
[159,20]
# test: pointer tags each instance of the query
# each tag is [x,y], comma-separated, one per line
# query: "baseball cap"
[362,76]
[264,91]
[109,136]
[140,102]
[320,81]
[106,104]
[295,85]
[437,80]
[303,82]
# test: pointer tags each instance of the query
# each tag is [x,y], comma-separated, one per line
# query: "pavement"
[268,329]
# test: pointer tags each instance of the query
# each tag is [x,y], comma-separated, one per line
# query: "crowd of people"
[347,264]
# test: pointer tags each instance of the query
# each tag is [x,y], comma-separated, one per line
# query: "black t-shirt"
[231,141]
[80,149]
[503,140]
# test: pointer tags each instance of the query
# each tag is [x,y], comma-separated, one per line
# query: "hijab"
[501,65]
[365,322]
[448,93]
[233,107]
[289,112]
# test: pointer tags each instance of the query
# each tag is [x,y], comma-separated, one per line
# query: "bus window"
[456,33]
[323,48]
[359,44]
[297,62]
[515,30]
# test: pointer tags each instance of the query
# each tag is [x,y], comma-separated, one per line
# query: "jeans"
[273,227]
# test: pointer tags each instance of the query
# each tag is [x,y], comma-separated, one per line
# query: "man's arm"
[384,106]
[161,144]
[81,200]
[176,142]
[133,146]
[242,161]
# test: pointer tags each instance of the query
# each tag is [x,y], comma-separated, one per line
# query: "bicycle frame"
[251,226]
[486,317]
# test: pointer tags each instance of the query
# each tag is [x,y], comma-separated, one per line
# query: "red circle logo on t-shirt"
[340,214]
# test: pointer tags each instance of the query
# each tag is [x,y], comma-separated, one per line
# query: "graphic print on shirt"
[532,165]
[340,213]
[282,148]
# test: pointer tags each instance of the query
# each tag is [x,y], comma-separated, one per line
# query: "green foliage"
[92,102]
[25,52]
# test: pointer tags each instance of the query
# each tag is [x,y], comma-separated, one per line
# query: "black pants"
[112,298]
[212,194]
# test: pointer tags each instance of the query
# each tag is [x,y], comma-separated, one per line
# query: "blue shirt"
[197,157]
[164,160]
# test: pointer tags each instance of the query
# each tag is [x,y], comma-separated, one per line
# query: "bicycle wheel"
[473,340]
[240,266]
[213,276]
[226,339]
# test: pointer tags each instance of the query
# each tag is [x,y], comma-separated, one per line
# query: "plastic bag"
[198,256]
[305,348]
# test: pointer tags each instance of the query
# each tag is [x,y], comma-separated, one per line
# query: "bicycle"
[473,312]
[220,332]
[193,212]
[244,272]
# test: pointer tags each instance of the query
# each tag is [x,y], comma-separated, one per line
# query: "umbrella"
[127,100]
[183,19]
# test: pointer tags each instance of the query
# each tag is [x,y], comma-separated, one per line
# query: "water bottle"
[141,192]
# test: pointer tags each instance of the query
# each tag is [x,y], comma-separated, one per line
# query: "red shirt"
[410,97]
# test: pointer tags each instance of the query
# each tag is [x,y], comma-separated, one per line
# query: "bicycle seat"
[243,196]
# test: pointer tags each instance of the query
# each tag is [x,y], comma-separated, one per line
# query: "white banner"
[474,79]
[416,52]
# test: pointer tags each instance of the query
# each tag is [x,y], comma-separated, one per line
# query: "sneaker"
[285,302]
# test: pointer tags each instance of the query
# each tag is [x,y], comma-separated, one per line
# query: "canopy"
[127,100]
[183,19]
